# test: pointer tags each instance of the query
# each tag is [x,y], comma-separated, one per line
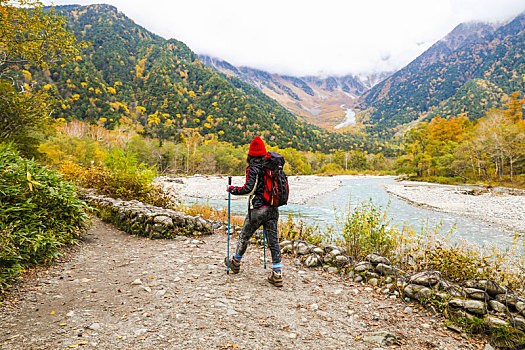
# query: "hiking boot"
[276,279]
[235,266]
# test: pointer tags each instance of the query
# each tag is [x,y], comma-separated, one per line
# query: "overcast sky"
[302,37]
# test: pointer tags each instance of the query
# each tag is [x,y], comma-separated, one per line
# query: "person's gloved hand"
[228,188]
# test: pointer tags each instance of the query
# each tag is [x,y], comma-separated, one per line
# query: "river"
[349,119]
[323,210]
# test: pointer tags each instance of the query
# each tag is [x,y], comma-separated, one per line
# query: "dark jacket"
[254,186]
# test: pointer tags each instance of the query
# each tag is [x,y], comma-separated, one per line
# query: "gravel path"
[118,291]
[501,208]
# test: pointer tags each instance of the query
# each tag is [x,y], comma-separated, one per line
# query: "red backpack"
[276,188]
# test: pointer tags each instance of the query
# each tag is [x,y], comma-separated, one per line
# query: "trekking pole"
[228,251]
[264,247]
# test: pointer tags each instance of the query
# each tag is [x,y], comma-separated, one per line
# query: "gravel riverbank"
[504,208]
[302,188]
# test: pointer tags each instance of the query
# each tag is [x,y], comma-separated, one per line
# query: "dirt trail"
[123,292]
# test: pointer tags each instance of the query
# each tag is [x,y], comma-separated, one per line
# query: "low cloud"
[312,37]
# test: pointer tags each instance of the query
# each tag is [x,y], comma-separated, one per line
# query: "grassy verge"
[39,213]
[366,229]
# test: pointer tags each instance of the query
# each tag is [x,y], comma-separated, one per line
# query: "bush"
[366,230]
[39,213]
[331,168]
[120,177]
[291,230]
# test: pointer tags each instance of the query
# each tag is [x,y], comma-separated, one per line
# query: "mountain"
[132,77]
[322,101]
[471,70]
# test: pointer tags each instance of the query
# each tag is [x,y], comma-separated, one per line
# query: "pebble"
[314,307]
[95,327]
[408,310]
[136,282]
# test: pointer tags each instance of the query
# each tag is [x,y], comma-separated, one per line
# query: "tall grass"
[367,229]
[39,213]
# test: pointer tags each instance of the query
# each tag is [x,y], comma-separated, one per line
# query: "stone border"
[482,299]
[142,219]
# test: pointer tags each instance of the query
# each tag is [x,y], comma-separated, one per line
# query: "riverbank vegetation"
[39,213]
[490,150]
[365,228]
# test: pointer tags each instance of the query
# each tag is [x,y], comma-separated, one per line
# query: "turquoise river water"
[322,211]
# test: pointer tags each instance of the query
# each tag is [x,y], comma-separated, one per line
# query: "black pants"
[267,217]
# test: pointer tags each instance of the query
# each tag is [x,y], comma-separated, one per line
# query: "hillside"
[320,100]
[130,76]
[471,70]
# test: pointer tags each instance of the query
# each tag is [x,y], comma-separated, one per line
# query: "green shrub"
[291,230]
[366,230]
[122,176]
[39,213]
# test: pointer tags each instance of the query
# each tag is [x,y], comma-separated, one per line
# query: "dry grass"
[210,213]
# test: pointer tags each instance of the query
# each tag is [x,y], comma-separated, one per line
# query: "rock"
[377,259]
[302,249]
[136,282]
[163,220]
[161,292]
[286,249]
[196,241]
[381,337]
[373,282]
[95,327]
[476,294]
[285,243]
[518,322]
[509,299]
[491,287]
[364,266]
[457,302]
[520,306]
[341,260]
[494,322]
[312,261]
[411,290]
[329,248]
[332,269]
[423,293]
[70,313]
[452,289]
[488,347]
[390,279]
[297,262]
[384,269]
[408,310]
[442,296]
[426,278]
[318,251]
[476,306]
[358,278]
[497,306]
[314,307]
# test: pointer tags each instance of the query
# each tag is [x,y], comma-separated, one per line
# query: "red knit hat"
[257,148]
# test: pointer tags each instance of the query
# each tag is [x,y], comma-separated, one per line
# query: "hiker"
[259,212]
